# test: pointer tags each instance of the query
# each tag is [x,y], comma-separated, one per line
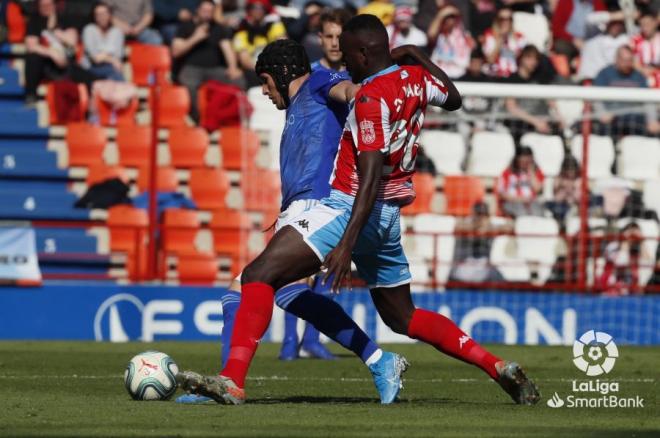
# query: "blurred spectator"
[531,115]
[502,45]
[570,27]
[476,105]
[204,51]
[306,29]
[75,12]
[332,22]
[482,15]
[169,13]
[134,17]
[475,69]
[520,184]
[451,44]
[402,31]
[50,43]
[472,250]
[103,44]
[428,9]
[566,189]
[598,52]
[620,118]
[383,9]
[646,47]
[259,27]
[424,163]
[623,258]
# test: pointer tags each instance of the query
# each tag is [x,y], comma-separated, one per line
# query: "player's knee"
[255,272]
[261,271]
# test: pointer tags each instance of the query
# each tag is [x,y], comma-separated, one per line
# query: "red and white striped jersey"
[387,116]
[506,63]
[518,184]
[647,51]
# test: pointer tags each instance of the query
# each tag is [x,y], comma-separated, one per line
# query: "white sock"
[375,357]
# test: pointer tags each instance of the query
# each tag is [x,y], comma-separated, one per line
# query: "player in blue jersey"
[331,22]
[316,109]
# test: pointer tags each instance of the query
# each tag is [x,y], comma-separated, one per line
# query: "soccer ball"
[150,376]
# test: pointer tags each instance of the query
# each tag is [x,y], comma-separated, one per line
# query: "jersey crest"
[367,131]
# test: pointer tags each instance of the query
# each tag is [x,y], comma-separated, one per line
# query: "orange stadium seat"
[239,147]
[135,262]
[261,190]
[125,223]
[179,230]
[174,106]
[53,115]
[100,172]
[167,180]
[16,23]
[134,144]
[461,193]
[197,269]
[149,62]
[85,143]
[108,116]
[188,146]
[424,185]
[209,187]
[231,229]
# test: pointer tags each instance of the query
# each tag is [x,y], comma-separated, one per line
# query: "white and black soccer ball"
[151,376]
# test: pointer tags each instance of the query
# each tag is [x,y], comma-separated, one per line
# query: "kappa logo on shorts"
[367,131]
[304,224]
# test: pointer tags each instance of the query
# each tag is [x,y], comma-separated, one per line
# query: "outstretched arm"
[338,261]
[344,91]
[413,54]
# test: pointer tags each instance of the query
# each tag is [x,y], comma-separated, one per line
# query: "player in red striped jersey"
[359,221]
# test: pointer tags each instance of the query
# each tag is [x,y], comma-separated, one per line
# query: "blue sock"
[284,296]
[327,316]
[290,328]
[230,301]
[311,335]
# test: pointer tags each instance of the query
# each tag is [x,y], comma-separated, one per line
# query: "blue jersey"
[314,124]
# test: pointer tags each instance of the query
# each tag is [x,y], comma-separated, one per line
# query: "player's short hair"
[284,60]
[366,23]
[338,16]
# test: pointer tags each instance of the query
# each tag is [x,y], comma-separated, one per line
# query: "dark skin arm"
[338,261]
[410,54]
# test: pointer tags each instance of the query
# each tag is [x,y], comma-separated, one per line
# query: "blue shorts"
[378,253]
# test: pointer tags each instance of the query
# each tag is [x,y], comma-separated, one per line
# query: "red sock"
[252,320]
[444,334]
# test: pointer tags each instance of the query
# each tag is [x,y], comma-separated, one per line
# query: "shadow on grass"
[349,400]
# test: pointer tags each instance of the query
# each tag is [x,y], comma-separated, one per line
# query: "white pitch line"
[313,379]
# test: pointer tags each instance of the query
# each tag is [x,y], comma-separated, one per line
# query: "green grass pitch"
[76,389]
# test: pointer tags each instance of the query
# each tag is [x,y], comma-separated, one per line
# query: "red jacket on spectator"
[563,13]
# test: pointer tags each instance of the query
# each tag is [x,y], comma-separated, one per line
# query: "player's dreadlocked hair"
[284,61]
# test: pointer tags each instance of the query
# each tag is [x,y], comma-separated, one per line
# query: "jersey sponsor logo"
[367,131]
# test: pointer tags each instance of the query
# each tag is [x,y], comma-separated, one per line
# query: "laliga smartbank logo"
[595,354]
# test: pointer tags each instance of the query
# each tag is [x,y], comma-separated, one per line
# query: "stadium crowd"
[471,40]
[605,42]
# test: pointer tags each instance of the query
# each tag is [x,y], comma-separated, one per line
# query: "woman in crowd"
[520,184]
[104,45]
